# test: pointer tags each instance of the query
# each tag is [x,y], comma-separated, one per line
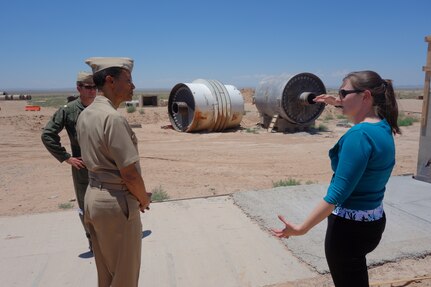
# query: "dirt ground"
[192,165]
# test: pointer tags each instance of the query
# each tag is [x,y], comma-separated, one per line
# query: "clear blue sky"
[44,43]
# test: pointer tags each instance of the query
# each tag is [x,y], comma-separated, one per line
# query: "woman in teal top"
[362,161]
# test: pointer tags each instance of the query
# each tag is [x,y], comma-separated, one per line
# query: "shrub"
[131,109]
[404,120]
[323,128]
[289,182]
[251,130]
[159,194]
[66,205]
[328,117]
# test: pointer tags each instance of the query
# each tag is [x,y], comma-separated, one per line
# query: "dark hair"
[99,78]
[71,98]
[382,92]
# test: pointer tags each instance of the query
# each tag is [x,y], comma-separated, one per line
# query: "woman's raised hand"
[328,99]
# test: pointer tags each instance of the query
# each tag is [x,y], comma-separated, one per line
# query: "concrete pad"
[411,196]
[200,242]
[44,250]
[407,205]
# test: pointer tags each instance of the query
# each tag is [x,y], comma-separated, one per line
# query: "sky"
[44,43]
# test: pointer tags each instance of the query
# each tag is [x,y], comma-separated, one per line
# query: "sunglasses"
[89,87]
[343,93]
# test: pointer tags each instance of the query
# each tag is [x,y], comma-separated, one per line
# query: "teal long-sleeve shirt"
[362,161]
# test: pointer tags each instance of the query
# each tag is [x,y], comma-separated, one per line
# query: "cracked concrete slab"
[407,205]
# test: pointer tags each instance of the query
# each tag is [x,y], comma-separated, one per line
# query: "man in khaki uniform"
[66,117]
[116,191]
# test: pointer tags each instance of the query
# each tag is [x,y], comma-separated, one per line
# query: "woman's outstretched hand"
[328,99]
[319,213]
[289,229]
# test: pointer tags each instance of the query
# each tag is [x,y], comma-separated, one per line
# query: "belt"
[106,185]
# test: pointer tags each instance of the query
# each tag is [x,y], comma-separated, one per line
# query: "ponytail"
[388,108]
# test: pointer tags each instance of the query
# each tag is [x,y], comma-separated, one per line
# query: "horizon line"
[73,89]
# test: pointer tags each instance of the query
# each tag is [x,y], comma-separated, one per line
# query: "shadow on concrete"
[89,254]
[146,233]
[86,255]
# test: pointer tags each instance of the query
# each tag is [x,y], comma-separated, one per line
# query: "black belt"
[106,185]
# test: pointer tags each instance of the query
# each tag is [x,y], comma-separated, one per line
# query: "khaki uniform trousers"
[80,183]
[113,218]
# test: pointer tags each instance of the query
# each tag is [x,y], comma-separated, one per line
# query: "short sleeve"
[121,141]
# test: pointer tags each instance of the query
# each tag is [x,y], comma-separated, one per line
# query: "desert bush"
[323,128]
[131,109]
[66,205]
[159,194]
[283,182]
[251,130]
[405,120]
[328,117]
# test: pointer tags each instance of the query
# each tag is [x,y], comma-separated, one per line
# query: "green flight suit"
[66,117]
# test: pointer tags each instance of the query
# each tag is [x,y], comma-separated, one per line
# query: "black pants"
[346,244]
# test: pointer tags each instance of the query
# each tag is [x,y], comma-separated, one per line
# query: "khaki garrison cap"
[85,78]
[100,63]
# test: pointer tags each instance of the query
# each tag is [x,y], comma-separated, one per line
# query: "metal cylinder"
[205,105]
[291,99]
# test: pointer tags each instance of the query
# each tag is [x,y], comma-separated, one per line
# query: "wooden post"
[426,95]
[424,158]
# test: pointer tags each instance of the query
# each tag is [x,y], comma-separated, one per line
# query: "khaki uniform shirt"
[107,142]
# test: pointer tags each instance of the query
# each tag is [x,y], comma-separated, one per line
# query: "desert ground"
[187,165]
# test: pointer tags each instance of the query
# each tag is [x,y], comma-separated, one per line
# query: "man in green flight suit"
[66,117]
